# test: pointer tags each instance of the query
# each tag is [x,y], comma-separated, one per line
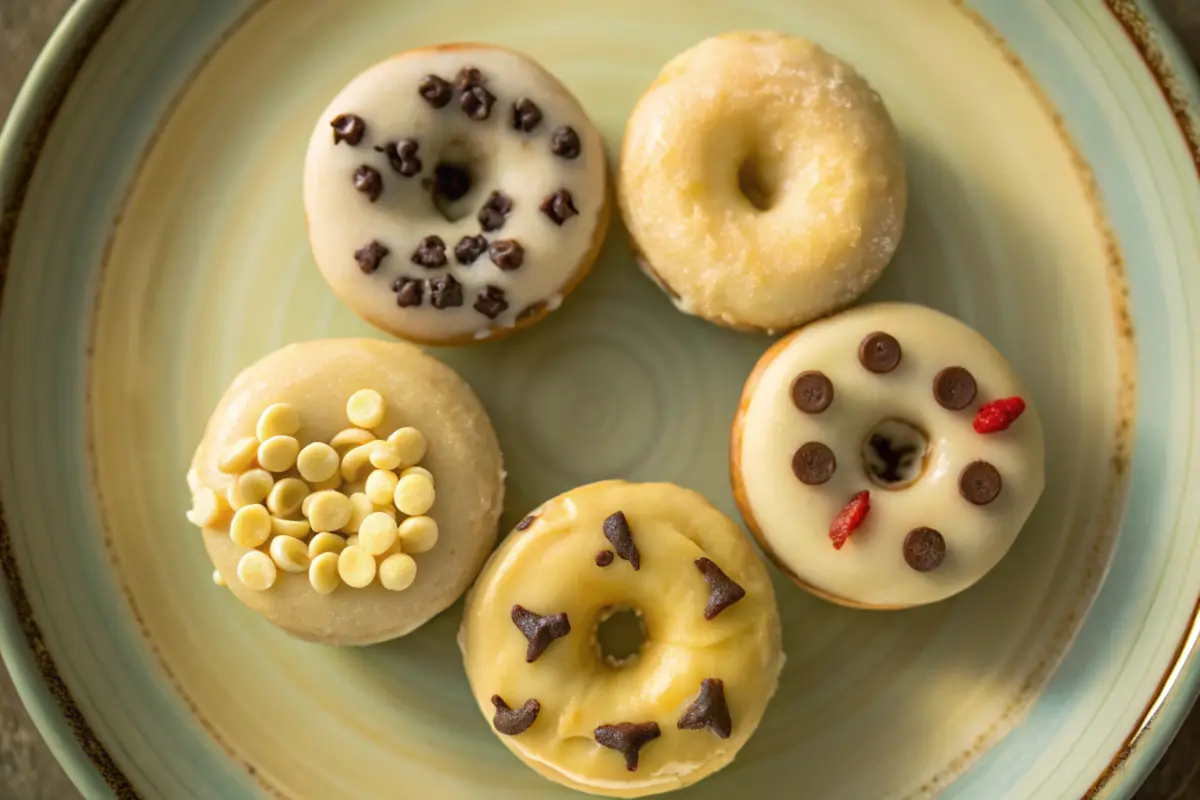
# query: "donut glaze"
[790,499]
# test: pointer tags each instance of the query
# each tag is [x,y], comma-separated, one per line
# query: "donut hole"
[759,187]
[894,453]
[453,188]
[620,635]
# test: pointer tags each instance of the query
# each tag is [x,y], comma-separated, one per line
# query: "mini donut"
[886,457]
[663,718]
[347,490]
[455,193]
[762,182]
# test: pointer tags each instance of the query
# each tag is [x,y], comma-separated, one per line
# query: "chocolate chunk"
[491,302]
[469,249]
[559,207]
[370,256]
[532,310]
[564,142]
[954,388]
[476,102]
[409,291]
[468,77]
[924,549]
[539,631]
[708,710]
[402,155]
[368,181]
[979,483]
[627,738]
[430,253]
[494,211]
[507,254]
[445,292]
[348,128]
[451,182]
[525,115]
[616,530]
[510,722]
[436,91]
[525,523]
[604,558]
[879,352]
[722,591]
[812,392]
[814,463]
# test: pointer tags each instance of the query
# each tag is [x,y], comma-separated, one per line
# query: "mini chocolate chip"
[564,142]
[368,181]
[525,523]
[409,291]
[532,311]
[451,182]
[709,710]
[430,253]
[495,211]
[879,352]
[510,722]
[924,549]
[402,156]
[627,738]
[616,530]
[491,302]
[476,102]
[979,483]
[525,115]
[468,77]
[954,388]
[812,392]
[604,558]
[445,292]
[370,256]
[814,463]
[559,207]
[539,631]
[507,254]
[436,91]
[722,590]
[469,248]
[348,128]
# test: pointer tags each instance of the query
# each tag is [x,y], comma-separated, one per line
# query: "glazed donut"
[663,718]
[762,181]
[455,193]
[887,456]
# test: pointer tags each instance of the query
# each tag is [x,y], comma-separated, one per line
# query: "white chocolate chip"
[251,487]
[317,462]
[351,437]
[217,579]
[290,555]
[294,528]
[410,443]
[377,534]
[381,486]
[385,455]
[361,507]
[193,480]
[329,511]
[414,495]
[251,526]
[287,496]
[325,543]
[257,571]
[208,507]
[278,454]
[356,567]
[239,456]
[323,486]
[418,534]
[365,408]
[323,573]
[397,572]
[417,471]
[352,540]
[355,460]
[279,419]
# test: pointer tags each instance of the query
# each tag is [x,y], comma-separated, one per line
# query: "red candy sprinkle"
[999,414]
[849,519]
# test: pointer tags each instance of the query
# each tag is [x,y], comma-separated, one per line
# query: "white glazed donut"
[904,414]
[455,193]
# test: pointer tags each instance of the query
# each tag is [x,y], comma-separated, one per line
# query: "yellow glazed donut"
[672,713]
[887,456]
[762,181]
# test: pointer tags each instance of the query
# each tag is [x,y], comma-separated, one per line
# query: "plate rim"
[22,647]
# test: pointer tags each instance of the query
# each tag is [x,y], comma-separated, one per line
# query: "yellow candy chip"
[317,462]
[194,481]
[414,495]
[295,528]
[287,497]
[385,455]
[381,486]
[251,526]
[257,571]
[252,486]
[365,408]
[377,534]
[355,460]
[356,567]
[278,454]
[217,578]
[239,456]
[360,509]
[333,483]
[352,540]
[418,534]
[397,572]
[289,554]
[417,471]
[350,437]
[208,507]
[329,510]
[323,573]
[279,419]
[325,543]
[410,444]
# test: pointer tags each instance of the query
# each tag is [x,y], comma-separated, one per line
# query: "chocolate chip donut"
[455,193]
[887,456]
[655,719]
[762,181]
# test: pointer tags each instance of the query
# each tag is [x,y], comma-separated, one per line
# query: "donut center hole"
[894,453]
[453,185]
[620,635]
[756,186]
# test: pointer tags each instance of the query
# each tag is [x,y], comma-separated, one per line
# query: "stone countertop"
[27,769]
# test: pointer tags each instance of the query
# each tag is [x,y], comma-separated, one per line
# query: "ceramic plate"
[153,244]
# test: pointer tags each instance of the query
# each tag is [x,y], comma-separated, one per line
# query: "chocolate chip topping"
[436,91]
[604,558]
[814,463]
[879,352]
[491,302]
[370,255]
[451,182]
[495,211]
[430,253]
[708,710]
[616,530]
[348,128]
[409,291]
[445,292]
[954,388]
[924,549]
[722,591]
[525,115]
[510,722]
[539,631]
[469,249]
[507,254]
[525,523]
[812,392]
[559,207]
[476,103]
[979,483]
[468,77]
[402,155]
[627,738]
[368,181]
[564,142]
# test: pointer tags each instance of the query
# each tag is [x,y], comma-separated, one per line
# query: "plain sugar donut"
[762,181]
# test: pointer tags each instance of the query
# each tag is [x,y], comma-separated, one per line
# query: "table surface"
[27,769]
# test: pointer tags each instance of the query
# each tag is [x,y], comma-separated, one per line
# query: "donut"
[347,490]
[641,721]
[886,457]
[455,193]
[762,182]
